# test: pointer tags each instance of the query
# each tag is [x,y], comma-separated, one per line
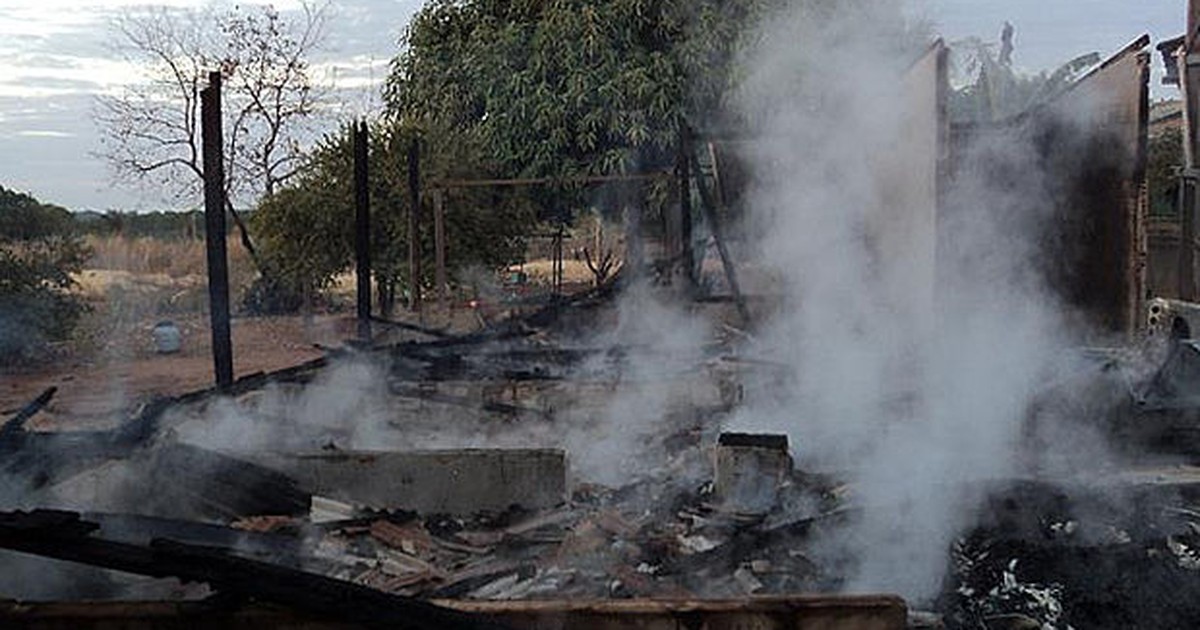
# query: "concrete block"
[459,482]
[749,471]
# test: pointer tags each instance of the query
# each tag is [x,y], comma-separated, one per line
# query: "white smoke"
[917,393]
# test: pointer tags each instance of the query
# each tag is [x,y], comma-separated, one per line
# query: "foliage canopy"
[562,87]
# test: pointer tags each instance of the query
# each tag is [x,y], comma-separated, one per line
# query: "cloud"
[44,133]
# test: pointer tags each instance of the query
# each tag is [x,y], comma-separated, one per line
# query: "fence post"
[214,221]
[362,231]
[439,245]
[414,224]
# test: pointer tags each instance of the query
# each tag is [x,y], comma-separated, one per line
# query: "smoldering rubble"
[708,513]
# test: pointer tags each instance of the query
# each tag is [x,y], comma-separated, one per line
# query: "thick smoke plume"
[918,393]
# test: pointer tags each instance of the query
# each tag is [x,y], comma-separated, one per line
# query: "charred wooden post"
[439,245]
[414,224]
[214,220]
[684,172]
[634,247]
[559,237]
[362,231]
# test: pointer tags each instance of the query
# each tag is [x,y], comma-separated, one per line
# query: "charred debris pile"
[707,515]
[369,536]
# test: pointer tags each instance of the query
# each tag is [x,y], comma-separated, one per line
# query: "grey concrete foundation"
[461,482]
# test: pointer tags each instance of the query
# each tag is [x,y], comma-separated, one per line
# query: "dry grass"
[144,263]
[132,282]
[146,255]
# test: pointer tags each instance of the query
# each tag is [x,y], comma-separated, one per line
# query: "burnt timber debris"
[66,536]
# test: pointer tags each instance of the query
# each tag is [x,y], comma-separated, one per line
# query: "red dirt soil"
[94,391]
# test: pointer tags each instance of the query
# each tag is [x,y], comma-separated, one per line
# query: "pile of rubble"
[714,516]
[602,543]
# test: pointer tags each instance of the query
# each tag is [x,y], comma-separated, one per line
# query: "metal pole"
[414,224]
[214,221]
[439,245]
[362,231]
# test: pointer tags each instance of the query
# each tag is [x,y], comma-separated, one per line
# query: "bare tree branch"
[151,131]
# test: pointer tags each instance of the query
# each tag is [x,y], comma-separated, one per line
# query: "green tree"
[550,88]
[306,228]
[38,254]
[533,88]
[305,232]
[1164,159]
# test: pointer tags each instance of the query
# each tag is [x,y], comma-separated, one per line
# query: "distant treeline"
[161,225]
[23,217]
[170,225]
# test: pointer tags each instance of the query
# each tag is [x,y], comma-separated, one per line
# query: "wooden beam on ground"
[16,425]
[214,218]
[425,330]
[67,536]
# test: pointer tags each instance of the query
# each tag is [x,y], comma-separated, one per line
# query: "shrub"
[38,254]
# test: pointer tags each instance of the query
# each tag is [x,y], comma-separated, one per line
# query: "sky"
[55,59]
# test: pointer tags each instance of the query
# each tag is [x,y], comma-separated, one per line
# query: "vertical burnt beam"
[362,230]
[634,246]
[1187,236]
[214,221]
[1139,193]
[439,245]
[414,224]
[559,236]
[686,257]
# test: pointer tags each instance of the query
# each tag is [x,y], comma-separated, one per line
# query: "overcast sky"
[54,61]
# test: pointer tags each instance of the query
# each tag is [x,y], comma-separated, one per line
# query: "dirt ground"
[110,367]
[93,389]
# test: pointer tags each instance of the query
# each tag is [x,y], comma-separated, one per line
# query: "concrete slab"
[458,481]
